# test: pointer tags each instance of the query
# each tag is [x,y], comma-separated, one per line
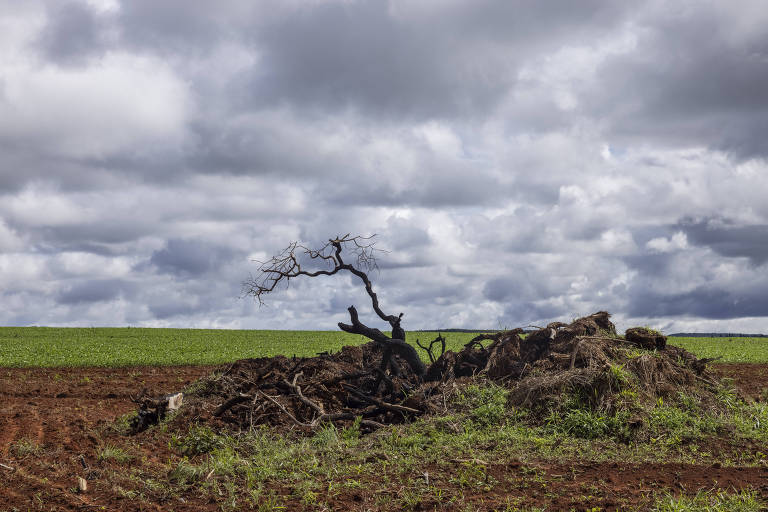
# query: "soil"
[750,378]
[63,411]
[53,423]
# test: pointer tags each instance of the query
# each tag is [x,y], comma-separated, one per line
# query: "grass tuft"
[710,501]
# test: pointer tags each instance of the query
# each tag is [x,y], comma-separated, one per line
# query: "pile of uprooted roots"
[373,384]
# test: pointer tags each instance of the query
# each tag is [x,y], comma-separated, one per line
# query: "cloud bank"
[521,161]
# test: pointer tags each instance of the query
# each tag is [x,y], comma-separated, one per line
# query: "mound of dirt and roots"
[372,385]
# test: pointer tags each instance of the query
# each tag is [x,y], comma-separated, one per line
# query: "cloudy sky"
[521,161]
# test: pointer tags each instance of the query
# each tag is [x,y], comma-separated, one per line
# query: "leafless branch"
[428,348]
[287,265]
[292,262]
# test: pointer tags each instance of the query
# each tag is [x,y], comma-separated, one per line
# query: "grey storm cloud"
[359,56]
[96,290]
[520,161]
[165,310]
[188,258]
[388,57]
[728,238]
[696,77]
[704,302]
[72,34]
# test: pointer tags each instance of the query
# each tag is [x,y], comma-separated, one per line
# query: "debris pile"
[372,383]
[304,393]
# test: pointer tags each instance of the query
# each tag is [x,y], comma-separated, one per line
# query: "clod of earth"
[646,338]
[377,385]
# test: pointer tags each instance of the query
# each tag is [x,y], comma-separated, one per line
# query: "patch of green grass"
[185,473]
[486,402]
[122,424]
[129,346]
[574,415]
[199,439]
[25,448]
[710,501]
[674,426]
[114,453]
[730,350]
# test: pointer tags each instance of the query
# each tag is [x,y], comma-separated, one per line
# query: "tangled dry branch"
[291,263]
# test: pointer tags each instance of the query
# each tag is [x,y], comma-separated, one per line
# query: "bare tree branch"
[287,265]
[428,348]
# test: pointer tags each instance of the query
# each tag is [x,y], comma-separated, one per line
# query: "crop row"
[128,346]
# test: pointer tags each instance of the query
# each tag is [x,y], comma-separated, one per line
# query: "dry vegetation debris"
[373,385]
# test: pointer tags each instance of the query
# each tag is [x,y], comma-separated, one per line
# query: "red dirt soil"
[750,378]
[62,410]
[64,413]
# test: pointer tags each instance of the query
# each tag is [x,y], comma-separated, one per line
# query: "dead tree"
[287,265]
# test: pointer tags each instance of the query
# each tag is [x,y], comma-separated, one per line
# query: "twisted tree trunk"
[396,346]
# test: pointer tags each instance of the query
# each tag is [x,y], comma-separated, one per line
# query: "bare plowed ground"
[50,418]
[56,425]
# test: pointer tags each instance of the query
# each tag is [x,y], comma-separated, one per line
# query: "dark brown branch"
[242,397]
[359,328]
[306,401]
[380,403]
[398,347]
[286,266]
[428,349]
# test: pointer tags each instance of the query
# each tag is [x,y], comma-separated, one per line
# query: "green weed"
[487,402]
[185,473]
[710,501]
[25,448]
[113,453]
[199,439]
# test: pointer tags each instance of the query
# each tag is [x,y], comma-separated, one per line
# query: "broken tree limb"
[380,403]
[397,346]
[228,404]
[282,408]
[372,424]
[383,376]
[306,401]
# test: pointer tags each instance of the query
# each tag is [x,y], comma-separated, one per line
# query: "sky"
[519,162]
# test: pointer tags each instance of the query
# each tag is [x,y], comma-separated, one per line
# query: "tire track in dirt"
[35,426]
[24,424]
[8,430]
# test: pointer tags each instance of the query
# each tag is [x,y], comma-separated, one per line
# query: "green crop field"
[126,346]
[730,350]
